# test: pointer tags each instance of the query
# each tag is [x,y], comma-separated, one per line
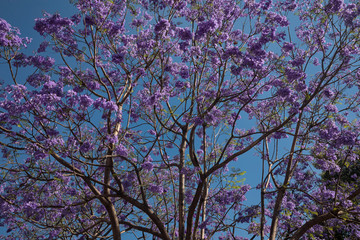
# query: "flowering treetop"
[140,125]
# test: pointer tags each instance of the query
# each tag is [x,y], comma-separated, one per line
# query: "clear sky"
[21,13]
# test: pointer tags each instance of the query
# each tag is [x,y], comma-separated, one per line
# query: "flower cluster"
[9,36]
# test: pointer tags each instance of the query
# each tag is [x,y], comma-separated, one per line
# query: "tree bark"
[181,200]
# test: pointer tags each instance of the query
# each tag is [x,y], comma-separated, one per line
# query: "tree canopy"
[138,117]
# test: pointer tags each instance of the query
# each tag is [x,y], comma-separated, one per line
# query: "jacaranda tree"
[137,119]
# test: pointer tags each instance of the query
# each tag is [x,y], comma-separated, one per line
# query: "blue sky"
[21,13]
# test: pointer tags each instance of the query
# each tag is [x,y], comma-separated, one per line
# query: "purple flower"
[152,132]
[179,84]
[85,102]
[204,224]
[287,47]
[184,34]
[316,62]
[147,166]
[111,139]
[184,72]
[138,22]
[329,131]
[294,74]
[116,29]
[205,27]
[52,132]
[277,19]
[162,26]
[284,92]
[232,51]
[328,93]
[9,36]
[117,58]
[331,108]
[121,150]
[300,87]
[297,62]
[236,70]
[41,62]
[51,24]
[4,26]
[89,20]
[347,138]
[76,18]
[86,147]
[43,46]
[279,135]
[334,6]
[155,188]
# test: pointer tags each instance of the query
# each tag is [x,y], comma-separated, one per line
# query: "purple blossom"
[300,87]
[185,34]
[18,92]
[85,102]
[152,132]
[121,150]
[284,92]
[331,108]
[179,84]
[76,18]
[330,130]
[52,132]
[204,224]
[328,93]
[277,19]
[236,70]
[294,74]
[4,26]
[9,36]
[41,62]
[184,72]
[155,188]
[347,138]
[148,166]
[162,26]
[52,87]
[316,62]
[89,20]
[349,14]
[86,147]
[297,62]
[51,24]
[205,27]
[280,135]
[111,139]
[231,52]
[287,47]
[334,6]
[43,46]
[116,29]
[138,22]
[117,58]
[265,4]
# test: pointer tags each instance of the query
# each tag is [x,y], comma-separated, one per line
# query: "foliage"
[130,131]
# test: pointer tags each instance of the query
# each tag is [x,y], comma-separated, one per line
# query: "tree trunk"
[181,200]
